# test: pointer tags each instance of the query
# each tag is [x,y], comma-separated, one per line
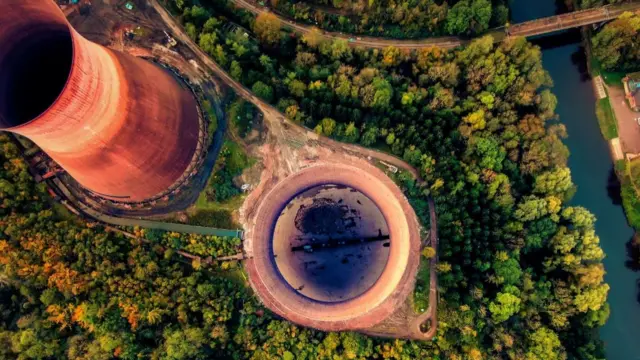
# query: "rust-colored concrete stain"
[121,126]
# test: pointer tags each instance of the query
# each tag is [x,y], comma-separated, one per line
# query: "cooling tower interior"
[124,128]
[331,243]
[350,270]
[33,73]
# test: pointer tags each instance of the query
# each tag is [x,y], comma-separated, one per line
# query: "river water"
[591,168]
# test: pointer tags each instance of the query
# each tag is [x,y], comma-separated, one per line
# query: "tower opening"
[331,243]
[34,69]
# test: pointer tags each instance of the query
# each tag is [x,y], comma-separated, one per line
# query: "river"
[591,168]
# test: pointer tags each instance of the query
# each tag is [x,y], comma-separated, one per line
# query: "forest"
[520,272]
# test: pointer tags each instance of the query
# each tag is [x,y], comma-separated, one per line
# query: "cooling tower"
[122,127]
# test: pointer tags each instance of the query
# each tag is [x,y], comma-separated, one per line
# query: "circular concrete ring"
[374,305]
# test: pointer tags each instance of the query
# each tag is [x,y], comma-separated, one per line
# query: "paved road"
[628,126]
[528,28]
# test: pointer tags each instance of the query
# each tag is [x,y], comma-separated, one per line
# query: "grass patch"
[620,167]
[242,113]
[606,119]
[62,212]
[217,218]
[230,204]
[421,292]
[213,119]
[230,163]
[221,197]
[613,78]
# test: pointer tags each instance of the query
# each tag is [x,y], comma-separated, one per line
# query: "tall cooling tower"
[123,127]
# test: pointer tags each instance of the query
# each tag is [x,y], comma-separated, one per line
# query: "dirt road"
[528,28]
[366,41]
[628,121]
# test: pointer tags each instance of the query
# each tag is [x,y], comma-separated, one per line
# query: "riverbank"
[618,126]
[602,181]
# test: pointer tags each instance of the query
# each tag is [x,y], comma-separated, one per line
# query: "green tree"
[262,90]
[459,18]
[505,306]
[531,208]
[351,133]
[554,182]
[592,298]
[191,30]
[481,15]
[183,344]
[508,271]
[297,88]
[328,126]
[490,153]
[544,344]
[370,136]
[267,28]
[207,42]
[211,25]
[236,70]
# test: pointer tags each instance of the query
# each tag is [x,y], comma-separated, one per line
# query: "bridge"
[528,28]
[570,20]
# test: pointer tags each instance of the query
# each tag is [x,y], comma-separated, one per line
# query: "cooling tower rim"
[390,290]
[73,35]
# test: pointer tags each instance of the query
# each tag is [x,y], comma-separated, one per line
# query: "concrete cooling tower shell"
[384,297]
[123,127]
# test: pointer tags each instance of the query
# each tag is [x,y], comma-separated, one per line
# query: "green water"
[591,167]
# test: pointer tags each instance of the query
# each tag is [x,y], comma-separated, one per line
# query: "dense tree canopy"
[399,18]
[520,273]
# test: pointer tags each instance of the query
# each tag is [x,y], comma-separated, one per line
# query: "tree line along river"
[592,171]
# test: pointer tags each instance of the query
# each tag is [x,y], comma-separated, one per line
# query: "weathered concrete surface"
[122,127]
[396,281]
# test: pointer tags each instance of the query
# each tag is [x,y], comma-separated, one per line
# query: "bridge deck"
[571,20]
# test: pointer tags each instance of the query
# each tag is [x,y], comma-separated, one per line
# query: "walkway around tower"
[528,28]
